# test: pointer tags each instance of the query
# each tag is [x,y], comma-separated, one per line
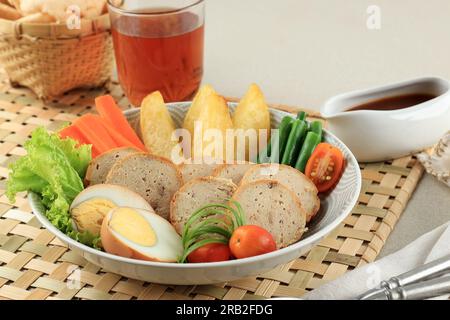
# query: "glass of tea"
[158,45]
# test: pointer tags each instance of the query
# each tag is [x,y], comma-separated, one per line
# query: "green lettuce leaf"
[54,169]
[79,158]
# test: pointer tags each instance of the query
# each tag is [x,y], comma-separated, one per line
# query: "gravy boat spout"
[378,135]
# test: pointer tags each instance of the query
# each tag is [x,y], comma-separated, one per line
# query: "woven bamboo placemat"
[36,265]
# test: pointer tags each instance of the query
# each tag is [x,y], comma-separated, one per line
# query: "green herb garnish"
[213,223]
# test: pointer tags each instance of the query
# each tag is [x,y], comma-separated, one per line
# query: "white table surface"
[302,52]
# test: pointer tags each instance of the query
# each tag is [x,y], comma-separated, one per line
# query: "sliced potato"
[211,112]
[157,126]
[252,113]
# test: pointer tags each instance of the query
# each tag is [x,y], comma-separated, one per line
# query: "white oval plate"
[334,208]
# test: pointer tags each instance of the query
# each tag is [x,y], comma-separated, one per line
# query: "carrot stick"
[73,133]
[91,128]
[108,110]
[120,140]
[95,153]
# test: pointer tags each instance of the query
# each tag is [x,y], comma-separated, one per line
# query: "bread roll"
[154,178]
[235,172]
[272,206]
[196,194]
[291,178]
[99,167]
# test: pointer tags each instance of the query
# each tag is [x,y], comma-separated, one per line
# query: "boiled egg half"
[140,234]
[92,204]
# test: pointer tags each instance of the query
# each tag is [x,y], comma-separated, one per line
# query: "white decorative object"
[437,161]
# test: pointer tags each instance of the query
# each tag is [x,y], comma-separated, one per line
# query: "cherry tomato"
[325,166]
[248,241]
[212,252]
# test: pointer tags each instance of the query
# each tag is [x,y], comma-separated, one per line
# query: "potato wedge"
[252,112]
[200,100]
[211,112]
[157,126]
[9,13]
[14,3]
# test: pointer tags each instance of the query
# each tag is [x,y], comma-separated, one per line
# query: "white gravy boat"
[374,135]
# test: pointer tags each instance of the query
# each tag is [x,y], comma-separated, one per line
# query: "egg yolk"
[132,226]
[88,216]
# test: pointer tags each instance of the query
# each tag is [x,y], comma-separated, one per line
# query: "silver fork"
[424,282]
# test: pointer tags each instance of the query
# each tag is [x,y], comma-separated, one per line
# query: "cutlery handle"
[422,290]
[427,270]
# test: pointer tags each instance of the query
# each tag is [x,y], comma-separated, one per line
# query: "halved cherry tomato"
[212,252]
[248,241]
[325,166]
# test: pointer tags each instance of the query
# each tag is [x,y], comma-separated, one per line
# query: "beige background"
[302,52]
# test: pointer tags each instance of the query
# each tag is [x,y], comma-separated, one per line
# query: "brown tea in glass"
[158,47]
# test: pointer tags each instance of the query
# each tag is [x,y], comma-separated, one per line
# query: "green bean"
[316,127]
[302,115]
[311,141]
[279,144]
[284,135]
[264,156]
[294,142]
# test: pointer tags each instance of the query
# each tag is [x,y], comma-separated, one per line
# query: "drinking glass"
[158,45]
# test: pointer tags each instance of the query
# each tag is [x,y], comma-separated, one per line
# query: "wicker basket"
[50,59]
